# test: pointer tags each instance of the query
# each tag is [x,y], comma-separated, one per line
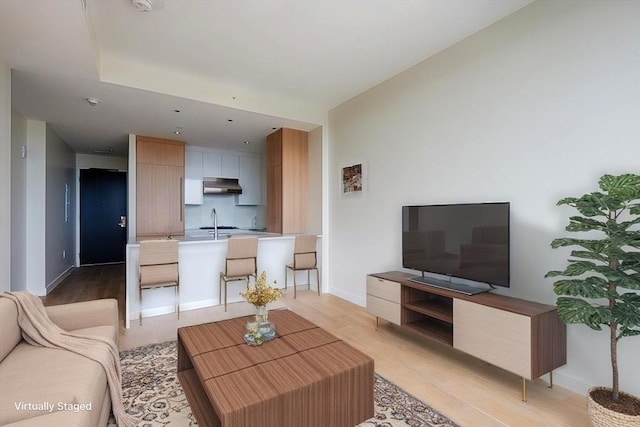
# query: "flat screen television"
[461,241]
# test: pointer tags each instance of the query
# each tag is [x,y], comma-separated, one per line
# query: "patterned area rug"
[153,394]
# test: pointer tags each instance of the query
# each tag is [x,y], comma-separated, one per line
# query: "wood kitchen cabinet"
[287,181]
[159,186]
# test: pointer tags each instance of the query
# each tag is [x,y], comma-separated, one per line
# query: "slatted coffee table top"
[301,362]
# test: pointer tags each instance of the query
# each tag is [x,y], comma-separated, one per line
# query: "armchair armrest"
[102,312]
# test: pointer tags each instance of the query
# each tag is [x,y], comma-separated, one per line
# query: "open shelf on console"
[433,328]
[428,313]
[433,308]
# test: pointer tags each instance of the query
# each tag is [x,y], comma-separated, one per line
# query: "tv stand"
[448,285]
[522,337]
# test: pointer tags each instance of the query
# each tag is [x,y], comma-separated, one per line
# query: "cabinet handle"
[181,205]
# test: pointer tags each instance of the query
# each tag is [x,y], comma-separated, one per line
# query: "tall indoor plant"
[599,286]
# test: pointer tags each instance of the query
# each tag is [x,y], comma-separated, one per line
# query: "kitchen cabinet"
[216,165]
[193,162]
[287,181]
[211,165]
[249,177]
[229,166]
[159,186]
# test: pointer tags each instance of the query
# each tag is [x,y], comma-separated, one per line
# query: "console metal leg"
[524,389]
[550,379]
[377,318]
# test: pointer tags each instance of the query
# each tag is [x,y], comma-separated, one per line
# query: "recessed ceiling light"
[229,120]
[176,111]
[177,132]
[247,142]
[93,101]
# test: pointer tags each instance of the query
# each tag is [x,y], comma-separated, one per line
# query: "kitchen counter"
[202,258]
[196,235]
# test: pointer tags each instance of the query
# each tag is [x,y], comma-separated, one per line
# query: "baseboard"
[55,282]
[356,299]
[570,383]
[198,304]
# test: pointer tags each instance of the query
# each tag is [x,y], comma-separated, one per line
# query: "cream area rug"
[152,393]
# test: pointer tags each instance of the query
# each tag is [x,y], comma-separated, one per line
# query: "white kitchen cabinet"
[249,177]
[229,166]
[193,177]
[193,164]
[211,165]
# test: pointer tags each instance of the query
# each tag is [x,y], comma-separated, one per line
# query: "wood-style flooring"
[467,390]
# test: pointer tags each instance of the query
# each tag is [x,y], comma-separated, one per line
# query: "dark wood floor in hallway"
[91,283]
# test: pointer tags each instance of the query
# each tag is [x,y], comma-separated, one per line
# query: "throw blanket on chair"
[39,330]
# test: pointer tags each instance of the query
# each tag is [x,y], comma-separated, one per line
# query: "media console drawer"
[383,299]
[385,289]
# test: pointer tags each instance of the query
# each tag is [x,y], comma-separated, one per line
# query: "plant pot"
[600,416]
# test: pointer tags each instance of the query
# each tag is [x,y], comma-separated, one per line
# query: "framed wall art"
[353,180]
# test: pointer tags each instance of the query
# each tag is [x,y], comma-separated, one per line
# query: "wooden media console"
[522,337]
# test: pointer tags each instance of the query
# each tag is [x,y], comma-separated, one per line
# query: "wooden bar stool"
[305,257]
[240,264]
[158,267]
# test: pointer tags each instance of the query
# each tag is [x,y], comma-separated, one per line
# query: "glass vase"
[262,314]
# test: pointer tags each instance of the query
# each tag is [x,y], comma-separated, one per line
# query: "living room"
[531,109]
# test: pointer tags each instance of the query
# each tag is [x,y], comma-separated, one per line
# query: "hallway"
[91,283]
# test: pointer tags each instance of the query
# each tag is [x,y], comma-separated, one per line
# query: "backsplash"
[229,213]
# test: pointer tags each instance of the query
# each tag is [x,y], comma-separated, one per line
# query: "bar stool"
[305,257]
[240,264]
[158,267]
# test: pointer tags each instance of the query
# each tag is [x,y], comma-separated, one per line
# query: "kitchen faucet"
[214,215]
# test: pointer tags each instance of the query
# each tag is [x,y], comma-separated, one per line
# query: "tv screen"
[465,241]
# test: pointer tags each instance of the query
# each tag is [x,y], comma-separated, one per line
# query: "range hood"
[221,186]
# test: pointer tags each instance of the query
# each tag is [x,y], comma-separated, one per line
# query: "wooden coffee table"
[303,377]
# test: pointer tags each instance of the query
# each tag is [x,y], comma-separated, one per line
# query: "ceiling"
[233,70]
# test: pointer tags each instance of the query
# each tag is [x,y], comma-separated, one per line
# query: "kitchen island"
[201,259]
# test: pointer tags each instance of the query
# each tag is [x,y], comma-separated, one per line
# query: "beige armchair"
[241,262]
[159,268]
[305,257]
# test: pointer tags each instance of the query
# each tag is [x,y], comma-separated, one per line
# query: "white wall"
[36,208]
[5,177]
[87,161]
[18,202]
[533,108]
[60,208]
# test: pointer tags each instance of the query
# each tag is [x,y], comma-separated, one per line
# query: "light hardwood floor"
[467,390]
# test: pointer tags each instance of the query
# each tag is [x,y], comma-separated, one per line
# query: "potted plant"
[599,286]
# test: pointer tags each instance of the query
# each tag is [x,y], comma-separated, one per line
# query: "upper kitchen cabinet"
[211,165]
[287,181]
[159,186]
[216,165]
[230,166]
[193,162]
[160,151]
[249,177]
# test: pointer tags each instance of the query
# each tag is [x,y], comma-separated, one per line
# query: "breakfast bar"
[201,259]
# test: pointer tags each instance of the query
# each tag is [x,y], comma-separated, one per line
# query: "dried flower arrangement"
[260,293]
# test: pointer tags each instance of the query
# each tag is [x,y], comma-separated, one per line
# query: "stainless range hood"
[221,186]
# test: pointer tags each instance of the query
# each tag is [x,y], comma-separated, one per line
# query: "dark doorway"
[103,211]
